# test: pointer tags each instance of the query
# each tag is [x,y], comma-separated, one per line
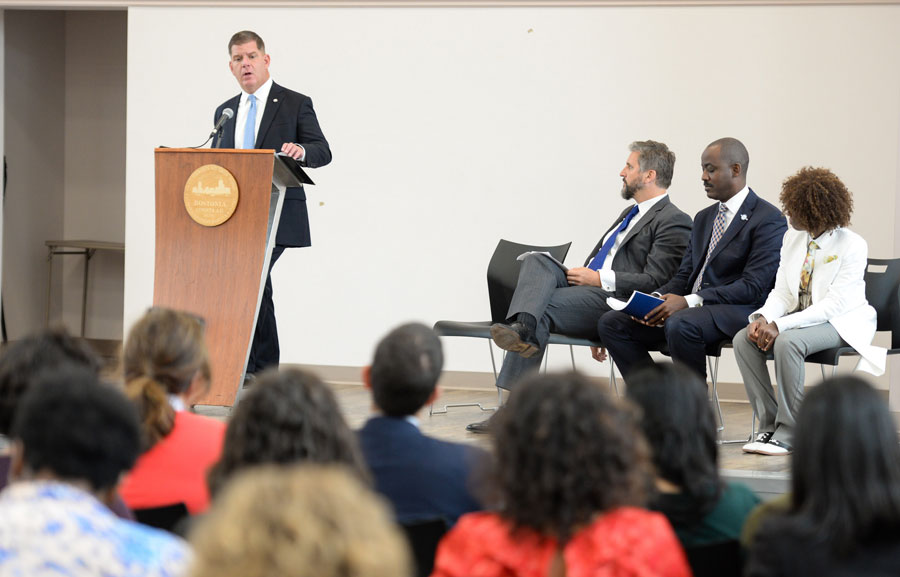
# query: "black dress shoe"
[516,338]
[481,427]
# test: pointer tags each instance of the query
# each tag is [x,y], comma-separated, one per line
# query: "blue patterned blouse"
[53,528]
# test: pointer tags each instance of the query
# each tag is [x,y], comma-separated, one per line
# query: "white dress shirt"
[262,96]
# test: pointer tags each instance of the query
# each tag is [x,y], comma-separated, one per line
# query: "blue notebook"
[637,306]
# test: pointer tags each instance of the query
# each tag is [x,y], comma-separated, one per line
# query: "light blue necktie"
[250,126]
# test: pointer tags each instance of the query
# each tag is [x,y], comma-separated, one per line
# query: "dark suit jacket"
[289,117]
[741,269]
[424,478]
[650,252]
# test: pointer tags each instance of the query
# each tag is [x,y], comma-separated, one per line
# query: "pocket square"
[831,258]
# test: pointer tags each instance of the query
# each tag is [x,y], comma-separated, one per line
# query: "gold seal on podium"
[210,195]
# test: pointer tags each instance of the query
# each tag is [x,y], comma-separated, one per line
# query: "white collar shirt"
[262,96]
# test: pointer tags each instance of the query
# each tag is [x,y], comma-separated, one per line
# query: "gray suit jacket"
[651,251]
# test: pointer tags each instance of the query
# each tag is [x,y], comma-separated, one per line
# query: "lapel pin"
[274,100]
[743,217]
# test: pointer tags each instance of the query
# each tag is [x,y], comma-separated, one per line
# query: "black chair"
[169,518]
[423,537]
[883,293]
[717,560]
[502,276]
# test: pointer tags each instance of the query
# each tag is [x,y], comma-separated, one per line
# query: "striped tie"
[717,232]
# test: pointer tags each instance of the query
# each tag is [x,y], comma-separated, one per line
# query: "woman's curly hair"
[565,451]
[816,199]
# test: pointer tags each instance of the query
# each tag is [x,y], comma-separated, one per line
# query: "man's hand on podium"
[293,150]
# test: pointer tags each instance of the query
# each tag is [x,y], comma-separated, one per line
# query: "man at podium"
[270,116]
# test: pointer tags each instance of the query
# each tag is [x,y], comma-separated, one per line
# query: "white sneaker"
[775,448]
[759,444]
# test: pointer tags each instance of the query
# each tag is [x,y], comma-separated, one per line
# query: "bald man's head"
[724,164]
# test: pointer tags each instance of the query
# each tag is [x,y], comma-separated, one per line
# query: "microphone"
[227,114]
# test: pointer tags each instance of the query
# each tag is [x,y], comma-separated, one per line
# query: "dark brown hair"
[565,451]
[816,199]
[287,417]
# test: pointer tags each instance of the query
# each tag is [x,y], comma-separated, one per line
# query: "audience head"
[405,371]
[565,451]
[846,466]
[165,355]
[69,427]
[310,521]
[287,417]
[657,157]
[725,163]
[24,360]
[679,425]
[816,200]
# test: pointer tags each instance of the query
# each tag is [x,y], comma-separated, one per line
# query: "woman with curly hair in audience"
[166,371]
[288,416]
[818,302]
[299,521]
[572,475]
[844,516]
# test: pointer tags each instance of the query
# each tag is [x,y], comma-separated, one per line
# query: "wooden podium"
[218,272]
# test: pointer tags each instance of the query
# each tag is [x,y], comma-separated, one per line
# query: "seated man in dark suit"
[726,274]
[640,251]
[424,478]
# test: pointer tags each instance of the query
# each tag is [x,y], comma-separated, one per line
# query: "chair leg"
[714,372]
[613,384]
[713,364]
[444,409]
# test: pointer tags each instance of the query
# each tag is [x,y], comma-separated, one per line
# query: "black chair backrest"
[503,273]
[883,293]
[423,537]
[167,518]
[716,560]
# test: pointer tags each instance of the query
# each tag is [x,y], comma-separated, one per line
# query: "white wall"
[453,127]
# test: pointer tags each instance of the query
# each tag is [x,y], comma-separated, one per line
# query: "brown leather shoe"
[515,338]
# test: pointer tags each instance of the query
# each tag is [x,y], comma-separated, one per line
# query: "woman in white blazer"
[819,302]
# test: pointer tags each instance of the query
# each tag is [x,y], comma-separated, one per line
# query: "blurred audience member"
[680,427]
[423,477]
[21,362]
[844,517]
[572,474]
[310,521]
[287,417]
[166,371]
[819,302]
[72,440]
